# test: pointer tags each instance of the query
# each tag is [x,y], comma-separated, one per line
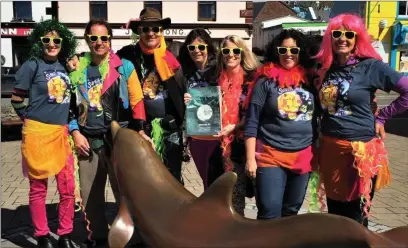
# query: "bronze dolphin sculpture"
[171,216]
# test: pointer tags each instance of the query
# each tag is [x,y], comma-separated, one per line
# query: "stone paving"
[390,205]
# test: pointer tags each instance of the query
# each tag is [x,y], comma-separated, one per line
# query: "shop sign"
[172,32]
[16,31]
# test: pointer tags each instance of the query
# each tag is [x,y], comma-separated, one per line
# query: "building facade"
[218,18]
[17,20]
[387,23]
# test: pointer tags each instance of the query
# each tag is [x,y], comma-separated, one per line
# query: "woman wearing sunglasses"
[351,73]
[45,145]
[198,69]
[280,127]
[236,66]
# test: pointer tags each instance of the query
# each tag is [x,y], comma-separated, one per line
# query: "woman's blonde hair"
[249,62]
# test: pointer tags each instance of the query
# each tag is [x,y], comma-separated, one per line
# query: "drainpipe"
[368,3]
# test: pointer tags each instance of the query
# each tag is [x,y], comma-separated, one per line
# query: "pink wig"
[362,49]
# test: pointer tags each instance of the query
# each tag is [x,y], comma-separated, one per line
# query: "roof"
[272,10]
[304,24]
[280,20]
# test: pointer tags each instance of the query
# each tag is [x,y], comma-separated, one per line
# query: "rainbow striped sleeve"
[136,97]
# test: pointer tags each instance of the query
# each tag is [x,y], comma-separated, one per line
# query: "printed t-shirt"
[154,90]
[95,121]
[346,96]
[281,117]
[49,90]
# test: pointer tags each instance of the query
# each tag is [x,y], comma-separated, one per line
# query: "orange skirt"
[45,148]
[347,167]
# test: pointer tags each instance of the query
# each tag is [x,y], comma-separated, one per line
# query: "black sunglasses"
[47,40]
[200,47]
[94,38]
[348,34]
[148,29]
[235,51]
[292,50]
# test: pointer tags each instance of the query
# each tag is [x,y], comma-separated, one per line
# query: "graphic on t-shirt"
[94,94]
[334,97]
[152,88]
[58,87]
[295,104]
[197,84]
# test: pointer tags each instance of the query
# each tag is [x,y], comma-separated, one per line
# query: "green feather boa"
[78,76]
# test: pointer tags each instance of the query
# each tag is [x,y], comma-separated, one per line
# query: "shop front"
[399,49]
[15,46]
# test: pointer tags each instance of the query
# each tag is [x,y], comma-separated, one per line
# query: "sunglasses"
[200,47]
[47,40]
[148,29]
[94,38]
[235,51]
[285,50]
[348,34]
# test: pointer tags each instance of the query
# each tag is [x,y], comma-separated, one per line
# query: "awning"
[400,34]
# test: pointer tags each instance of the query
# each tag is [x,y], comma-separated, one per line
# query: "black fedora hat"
[149,16]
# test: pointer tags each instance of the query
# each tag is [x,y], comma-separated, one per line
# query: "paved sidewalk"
[390,205]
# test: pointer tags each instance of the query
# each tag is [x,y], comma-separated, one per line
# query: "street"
[390,208]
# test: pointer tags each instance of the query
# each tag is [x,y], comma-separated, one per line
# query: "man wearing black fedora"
[156,69]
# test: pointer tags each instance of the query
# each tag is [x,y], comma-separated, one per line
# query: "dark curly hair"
[184,55]
[302,41]
[68,44]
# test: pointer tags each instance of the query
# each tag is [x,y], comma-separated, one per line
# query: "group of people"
[295,115]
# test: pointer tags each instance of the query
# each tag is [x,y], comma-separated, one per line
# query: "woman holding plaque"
[236,66]
[198,69]
[280,127]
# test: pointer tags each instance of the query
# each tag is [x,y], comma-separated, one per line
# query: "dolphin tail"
[122,228]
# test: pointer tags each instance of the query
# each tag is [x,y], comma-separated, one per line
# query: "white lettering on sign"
[9,31]
[174,32]
[168,32]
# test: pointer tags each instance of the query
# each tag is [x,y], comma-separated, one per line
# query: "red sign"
[16,31]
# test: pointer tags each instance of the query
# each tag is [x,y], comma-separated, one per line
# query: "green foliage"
[135,37]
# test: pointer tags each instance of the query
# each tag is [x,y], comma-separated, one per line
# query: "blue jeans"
[279,192]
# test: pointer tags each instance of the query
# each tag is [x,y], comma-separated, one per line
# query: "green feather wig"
[68,44]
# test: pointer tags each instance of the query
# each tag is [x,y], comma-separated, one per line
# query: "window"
[403,8]
[155,5]
[22,10]
[207,11]
[98,10]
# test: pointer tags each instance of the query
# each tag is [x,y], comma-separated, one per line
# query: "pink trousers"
[38,193]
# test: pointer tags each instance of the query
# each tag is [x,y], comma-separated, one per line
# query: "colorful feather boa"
[231,88]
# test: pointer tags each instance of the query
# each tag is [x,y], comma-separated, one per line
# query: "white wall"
[121,12]
[73,12]
[39,10]
[187,12]
[6,11]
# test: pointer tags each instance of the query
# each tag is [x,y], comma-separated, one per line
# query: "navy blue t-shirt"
[283,118]
[154,90]
[49,91]
[95,121]
[201,78]
[346,96]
